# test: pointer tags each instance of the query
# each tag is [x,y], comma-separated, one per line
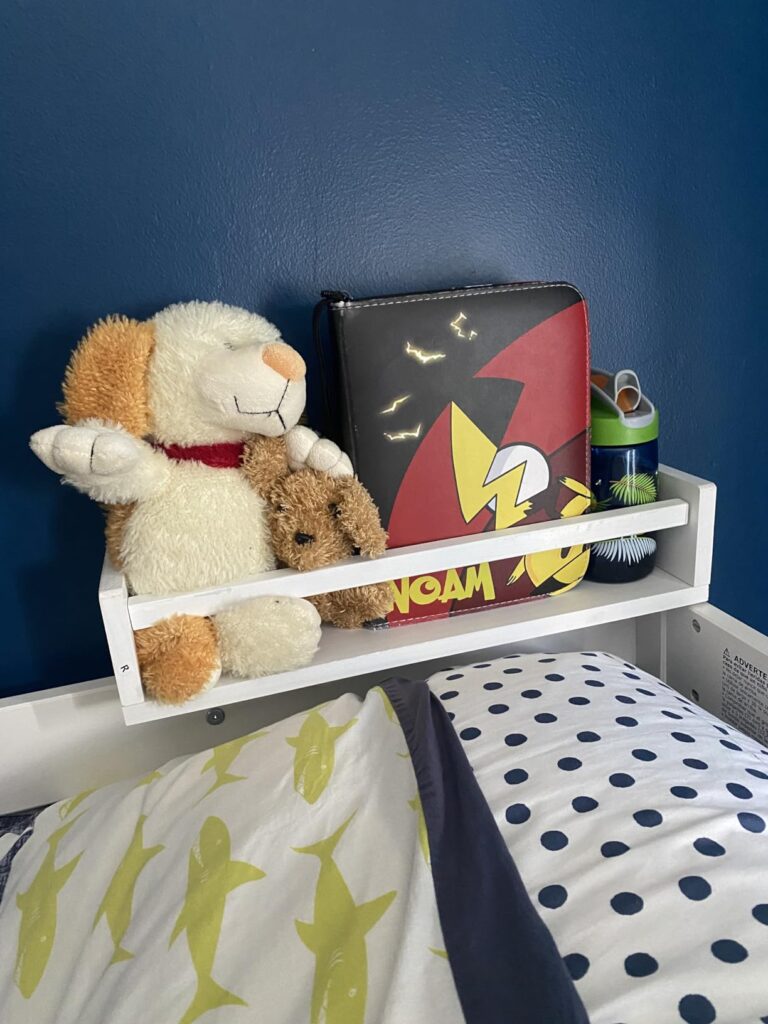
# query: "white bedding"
[638,823]
[281,878]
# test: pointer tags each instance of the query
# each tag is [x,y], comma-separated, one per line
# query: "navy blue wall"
[256,152]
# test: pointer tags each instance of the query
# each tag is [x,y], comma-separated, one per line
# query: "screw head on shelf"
[215,716]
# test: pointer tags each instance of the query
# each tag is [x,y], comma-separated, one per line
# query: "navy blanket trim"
[505,963]
[22,824]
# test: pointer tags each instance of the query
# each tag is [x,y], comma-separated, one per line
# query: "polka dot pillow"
[638,824]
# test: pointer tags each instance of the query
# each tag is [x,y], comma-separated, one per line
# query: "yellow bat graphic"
[421,355]
[456,324]
[404,435]
[395,405]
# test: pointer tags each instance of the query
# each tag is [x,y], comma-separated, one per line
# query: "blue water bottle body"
[623,476]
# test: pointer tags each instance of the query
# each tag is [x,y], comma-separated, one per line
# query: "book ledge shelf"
[683,519]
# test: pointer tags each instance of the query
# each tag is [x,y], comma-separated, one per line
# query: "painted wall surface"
[258,152]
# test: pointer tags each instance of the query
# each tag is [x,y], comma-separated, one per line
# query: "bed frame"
[64,740]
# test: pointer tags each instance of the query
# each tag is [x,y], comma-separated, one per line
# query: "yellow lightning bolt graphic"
[395,405]
[473,455]
[404,435]
[568,565]
[421,355]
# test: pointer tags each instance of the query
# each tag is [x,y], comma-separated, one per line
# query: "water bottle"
[625,470]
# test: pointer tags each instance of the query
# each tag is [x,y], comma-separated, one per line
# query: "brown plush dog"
[316,520]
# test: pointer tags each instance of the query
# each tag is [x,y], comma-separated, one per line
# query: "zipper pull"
[332,296]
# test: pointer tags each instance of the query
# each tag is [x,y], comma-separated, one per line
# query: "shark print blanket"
[340,867]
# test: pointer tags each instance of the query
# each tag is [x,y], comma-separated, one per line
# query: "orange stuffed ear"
[106,377]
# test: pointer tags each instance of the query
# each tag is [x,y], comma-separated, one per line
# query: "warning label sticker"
[745,695]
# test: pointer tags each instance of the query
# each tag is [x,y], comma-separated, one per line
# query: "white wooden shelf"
[418,560]
[683,520]
[344,654]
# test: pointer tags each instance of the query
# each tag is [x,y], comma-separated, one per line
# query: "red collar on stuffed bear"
[226,455]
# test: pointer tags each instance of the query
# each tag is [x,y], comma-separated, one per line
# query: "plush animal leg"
[178,658]
[351,609]
[308,451]
[267,635]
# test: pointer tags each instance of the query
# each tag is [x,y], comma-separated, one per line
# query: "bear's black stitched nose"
[355,551]
[303,538]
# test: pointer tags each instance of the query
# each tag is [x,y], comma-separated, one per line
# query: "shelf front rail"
[683,518]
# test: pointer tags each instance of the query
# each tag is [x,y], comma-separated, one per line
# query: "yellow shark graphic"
[336,937]
[415,805]
[69,806]
[391,713]
[212,875]
[39,906]
[117,905]
[148,779]
[222,759]
[315,755]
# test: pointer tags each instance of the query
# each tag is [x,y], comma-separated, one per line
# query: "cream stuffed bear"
[167,422]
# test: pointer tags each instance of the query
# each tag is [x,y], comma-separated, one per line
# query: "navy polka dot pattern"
[751,822]
[577,965]
[581,804]
[729,951]
[644,755]
[695,887]
[554,840]
[553,896]
[741,792]
[708,847]
[648,819]
[640,965]
[613,849]
[518,813]
[638,824]
[621,780]
[684,792]
[696,1009]
[627,903]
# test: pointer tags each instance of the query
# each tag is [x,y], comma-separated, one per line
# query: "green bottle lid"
[612,428]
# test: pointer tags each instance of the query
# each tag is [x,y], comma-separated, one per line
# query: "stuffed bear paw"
[306,450]
[86,450]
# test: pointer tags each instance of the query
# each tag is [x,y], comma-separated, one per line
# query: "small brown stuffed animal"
[316,520]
